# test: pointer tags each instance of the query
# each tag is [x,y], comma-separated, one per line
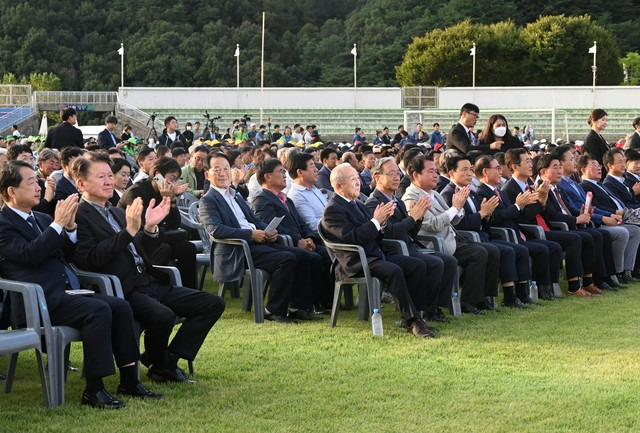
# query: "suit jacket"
[64,135]
[635,141]
[596,146]
[323,179]
[64,188]
[365,188]
[435,221]
[575,197]
[511,189]
[553,210]
[267,206]
[101,249]
[442,182]
[621,191]
[600,197]
[106,139]
[630,179]
[342,223]
[399,225]
[459,140]
[218,219]
[32,257]
[506,214]
[472,220]
[144,190]
[404,183]
[189,176]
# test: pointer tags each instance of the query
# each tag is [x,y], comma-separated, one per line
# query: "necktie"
[357,209]
[495,191]
[72,279]
[615,200]
[541,222]
[563,205]
[470,135]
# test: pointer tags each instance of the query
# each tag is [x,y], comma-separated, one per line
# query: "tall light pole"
[237,56]
[354,51]
[262,70]
[594,50]
[121,52]
[473,74]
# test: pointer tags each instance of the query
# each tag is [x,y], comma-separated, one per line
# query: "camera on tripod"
[244,119]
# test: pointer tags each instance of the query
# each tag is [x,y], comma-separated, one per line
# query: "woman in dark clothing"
[497,131]
[595,144]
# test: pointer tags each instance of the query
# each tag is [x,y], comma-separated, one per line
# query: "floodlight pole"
[121,65]
[262,71]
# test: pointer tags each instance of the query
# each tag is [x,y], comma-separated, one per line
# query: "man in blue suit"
[272,202]
[625,239]
[224,215]
[66,185]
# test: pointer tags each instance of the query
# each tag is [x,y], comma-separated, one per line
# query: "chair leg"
[43,379]
[11,372]
[363,302]
[247,297]
[348,297]
[202,277]
[337,292]
[257,292]
[190,364]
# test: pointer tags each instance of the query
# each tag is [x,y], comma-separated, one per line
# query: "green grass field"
[569,365]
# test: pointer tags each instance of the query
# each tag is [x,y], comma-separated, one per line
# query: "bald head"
[345,181]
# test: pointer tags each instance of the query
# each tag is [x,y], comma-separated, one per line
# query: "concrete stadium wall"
[540,97]
[249,98]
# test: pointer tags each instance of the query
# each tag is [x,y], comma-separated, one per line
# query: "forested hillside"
[308,43]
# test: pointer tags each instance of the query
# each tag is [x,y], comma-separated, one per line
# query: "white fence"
[250,98]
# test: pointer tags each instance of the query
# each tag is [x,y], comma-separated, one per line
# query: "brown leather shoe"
[591,288]
[582,293]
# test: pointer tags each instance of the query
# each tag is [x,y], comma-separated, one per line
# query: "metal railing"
[15,116]
[420,97]
[75,98]
[138,115]
[15,95]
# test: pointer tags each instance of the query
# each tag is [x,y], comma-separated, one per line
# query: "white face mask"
[500,131]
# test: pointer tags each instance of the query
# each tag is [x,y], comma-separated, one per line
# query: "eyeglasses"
[470,113]
[497,167]
[282,171]
[218,170]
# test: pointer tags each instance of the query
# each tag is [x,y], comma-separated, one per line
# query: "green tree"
[632,63]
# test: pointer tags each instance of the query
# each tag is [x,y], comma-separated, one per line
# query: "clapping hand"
[420,207]
[65,213]
[383,212]
[155,215]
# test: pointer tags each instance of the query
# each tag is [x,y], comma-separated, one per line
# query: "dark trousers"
[514,261]
[184,252]
[480,267]
[291,273]
[441,271]
[404,278]
[156,306]
[545,259]
[571,243]
[107,328]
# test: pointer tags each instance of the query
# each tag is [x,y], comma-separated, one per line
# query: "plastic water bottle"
[376,323]
[533,292]
[455,303]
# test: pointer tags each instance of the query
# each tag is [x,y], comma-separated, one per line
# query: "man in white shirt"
[308,199]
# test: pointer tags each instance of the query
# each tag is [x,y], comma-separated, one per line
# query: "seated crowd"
[112,207]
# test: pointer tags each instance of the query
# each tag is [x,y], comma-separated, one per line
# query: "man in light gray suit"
[480,269]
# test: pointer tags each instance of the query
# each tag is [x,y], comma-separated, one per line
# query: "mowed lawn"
[570,365]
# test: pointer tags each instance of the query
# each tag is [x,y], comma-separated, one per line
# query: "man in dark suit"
[66,185]
[545,255]
[632,175]
[225,214]
[347,220]
[65,134]
[34,248]
[106,139]
[514,258]
[635,139]
[351,159]
[329,159]
[441,268]
[461,135]
[614,181]
[174,244]
[521,167]
[604,200]
[272,202]
[115,241]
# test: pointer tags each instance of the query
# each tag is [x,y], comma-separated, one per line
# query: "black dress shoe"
[604,286]
[102,400]
[469,308]
[144,359]
[517,303]
[319,309]
[278,318]
[420,329]
[437,317]
[303,315]
[487,304]
[140,391]
[161,375]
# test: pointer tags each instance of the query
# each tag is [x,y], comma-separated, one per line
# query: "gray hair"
[377,167]
[337,174]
